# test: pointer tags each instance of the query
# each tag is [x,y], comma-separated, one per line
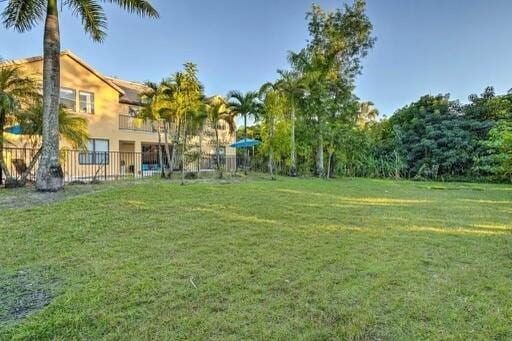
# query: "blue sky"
[424,46]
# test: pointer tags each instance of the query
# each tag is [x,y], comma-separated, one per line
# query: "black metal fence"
[84,166]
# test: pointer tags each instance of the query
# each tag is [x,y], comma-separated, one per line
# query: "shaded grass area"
[24,292]
[293,258]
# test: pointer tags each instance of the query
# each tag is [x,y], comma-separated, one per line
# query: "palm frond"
[140,7]
[22,15]
[92,16]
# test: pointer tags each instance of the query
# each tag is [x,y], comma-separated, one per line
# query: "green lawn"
[307,259]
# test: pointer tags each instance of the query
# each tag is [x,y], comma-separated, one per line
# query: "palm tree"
[156,108]
[185,103]
[367,113]
[16,91]
[23,15]
[72,128]
[271,110]
[245,105]
[293,88]
[219,112]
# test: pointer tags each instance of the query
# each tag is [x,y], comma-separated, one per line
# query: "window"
[222,151]
[96,154]
[68,98]
[86,102]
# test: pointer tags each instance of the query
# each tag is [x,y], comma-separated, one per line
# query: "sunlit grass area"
[289,259]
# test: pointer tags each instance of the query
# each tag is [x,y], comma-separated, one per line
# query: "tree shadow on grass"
[24,292]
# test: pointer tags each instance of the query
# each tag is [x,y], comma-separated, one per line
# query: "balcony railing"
[127,122]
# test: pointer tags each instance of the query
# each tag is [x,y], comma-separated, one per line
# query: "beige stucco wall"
[104,123]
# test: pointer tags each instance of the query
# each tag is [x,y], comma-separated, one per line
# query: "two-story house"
[110,106]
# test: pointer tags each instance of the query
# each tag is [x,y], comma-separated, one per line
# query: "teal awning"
[245,143]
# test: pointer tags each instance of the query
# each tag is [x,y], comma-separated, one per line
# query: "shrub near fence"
[84,166]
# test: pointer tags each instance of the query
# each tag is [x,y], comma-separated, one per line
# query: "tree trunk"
[50,177]
[167,151]
[3,166]
[175,145]
[329,163]
[217,153]
[270,162]
[246,151]
[160,157]
[184,151]
[320,158]
[271,149]
[293,153]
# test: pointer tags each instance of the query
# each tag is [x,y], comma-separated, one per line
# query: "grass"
[290,259]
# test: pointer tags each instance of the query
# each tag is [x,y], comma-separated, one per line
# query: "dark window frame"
[93,157]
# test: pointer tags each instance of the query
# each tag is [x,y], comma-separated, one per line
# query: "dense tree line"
[317,125]
[433,138]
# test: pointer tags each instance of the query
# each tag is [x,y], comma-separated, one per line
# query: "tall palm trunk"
[160,157]
[175,145]
[217,153]
[167,150]
[293,152]
[50,176]
[246,151]
[184,150]
[271,149]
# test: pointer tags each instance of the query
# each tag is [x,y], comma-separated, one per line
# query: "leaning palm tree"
[293,87]
[72,129]
[16,92]
[245,105]
[219,112]
[23,15]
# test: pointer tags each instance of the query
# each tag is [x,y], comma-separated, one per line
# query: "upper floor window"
[68,98]
[86,102]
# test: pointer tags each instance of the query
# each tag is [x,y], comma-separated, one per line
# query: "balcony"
[127,122]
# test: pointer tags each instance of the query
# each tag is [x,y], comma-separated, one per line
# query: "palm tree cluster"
[180,109]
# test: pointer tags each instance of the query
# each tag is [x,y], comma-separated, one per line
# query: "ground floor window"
[96,154]
[222,151]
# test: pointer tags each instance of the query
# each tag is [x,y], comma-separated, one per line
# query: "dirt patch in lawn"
[29,197]
[24,292]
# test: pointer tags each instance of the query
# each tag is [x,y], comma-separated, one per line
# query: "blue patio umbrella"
[15,130]
[245,143]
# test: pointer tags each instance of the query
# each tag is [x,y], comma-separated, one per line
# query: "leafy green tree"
[272,111]
[435,137]
[329,64]
[294,88]
[23,15]
[186,105]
